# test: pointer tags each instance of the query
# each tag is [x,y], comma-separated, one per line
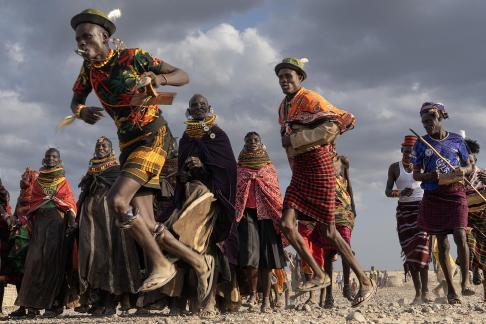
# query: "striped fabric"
[476,238]
[414,241]
[145,163]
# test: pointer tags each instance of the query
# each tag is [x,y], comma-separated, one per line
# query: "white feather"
[304,60]
[114,14]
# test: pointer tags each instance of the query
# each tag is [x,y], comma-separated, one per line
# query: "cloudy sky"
[378,59]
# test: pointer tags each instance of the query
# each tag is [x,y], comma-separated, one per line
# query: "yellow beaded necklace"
[105,61]
[196,129]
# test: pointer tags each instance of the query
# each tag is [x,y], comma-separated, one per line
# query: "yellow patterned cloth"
[145,163]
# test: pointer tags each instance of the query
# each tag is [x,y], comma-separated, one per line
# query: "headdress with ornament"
[432,106]
[97,17]
[409,140]
[293,63]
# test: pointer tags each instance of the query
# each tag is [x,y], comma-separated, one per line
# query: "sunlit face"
[51,158]
[92,39]
[253,142]
[102,149]
[198,107]
[432,123]
[289,80]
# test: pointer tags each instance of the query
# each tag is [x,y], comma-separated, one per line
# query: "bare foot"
[426,297]
[417,300]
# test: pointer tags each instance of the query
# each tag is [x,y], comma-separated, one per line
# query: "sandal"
[360,299]
[315,284]
[468,291]
[347,293]
[452,299]
[157,280]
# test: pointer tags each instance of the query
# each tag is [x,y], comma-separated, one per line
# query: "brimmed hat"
[294,64]
[94,16]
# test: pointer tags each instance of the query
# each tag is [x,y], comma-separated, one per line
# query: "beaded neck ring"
[196,129]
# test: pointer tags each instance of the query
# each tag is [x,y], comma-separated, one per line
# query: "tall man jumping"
[142,131]
[309,127]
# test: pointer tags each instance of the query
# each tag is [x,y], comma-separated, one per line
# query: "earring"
[188,115]
[211,111]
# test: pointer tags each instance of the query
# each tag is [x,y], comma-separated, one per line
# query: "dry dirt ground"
[391,305]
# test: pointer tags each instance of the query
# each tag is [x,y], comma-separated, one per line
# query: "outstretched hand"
[91,114]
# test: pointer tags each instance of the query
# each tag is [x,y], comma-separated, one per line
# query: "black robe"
[219,163]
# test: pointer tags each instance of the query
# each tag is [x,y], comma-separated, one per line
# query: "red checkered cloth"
[443,210]
[317,237]
[305,230]
[312,190]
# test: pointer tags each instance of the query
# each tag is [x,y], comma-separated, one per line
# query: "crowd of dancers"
[190,226]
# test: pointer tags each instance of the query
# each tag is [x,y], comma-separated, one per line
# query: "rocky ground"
[391,305]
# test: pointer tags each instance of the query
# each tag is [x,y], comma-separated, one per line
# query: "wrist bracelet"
[77,112]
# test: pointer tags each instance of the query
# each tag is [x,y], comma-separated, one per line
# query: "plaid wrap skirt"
[312,190]
[145,162]
[443,210]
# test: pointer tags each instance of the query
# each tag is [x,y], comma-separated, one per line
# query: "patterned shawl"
[268,195]
[52,186]
[307,107]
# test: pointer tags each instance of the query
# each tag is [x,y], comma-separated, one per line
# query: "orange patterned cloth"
[308,106]
[63,198]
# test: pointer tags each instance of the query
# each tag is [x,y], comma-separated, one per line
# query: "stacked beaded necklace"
[196,129]
[253,159]
[50,177]
[97,166]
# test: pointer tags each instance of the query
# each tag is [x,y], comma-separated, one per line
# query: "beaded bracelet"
[77,112]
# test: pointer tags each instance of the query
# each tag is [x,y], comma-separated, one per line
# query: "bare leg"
[463,256]
[444,248]
[424,280]
[252,275]
[484,289]
[120,198]
[288,224]
[346,284]
[417,285]
[347,254]
[266,275]
[329,300]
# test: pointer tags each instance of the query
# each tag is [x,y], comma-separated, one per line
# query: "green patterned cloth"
[115,82]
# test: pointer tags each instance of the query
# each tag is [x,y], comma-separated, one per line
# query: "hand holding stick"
[445,160]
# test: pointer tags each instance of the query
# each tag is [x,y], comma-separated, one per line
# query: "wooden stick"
[445,160]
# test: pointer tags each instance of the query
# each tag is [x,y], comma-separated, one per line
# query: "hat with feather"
[293,63]
[97,17]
